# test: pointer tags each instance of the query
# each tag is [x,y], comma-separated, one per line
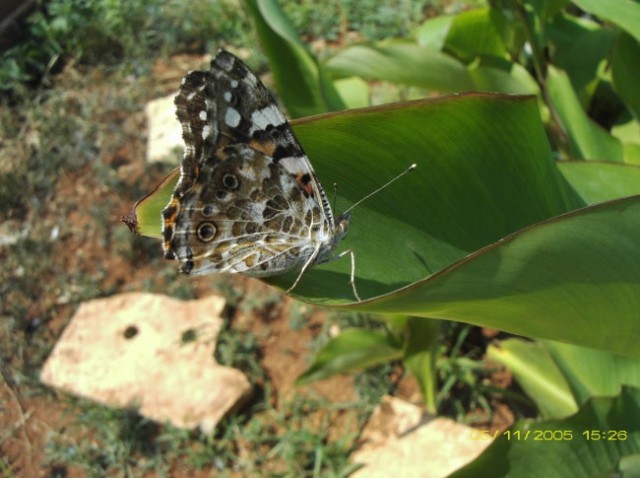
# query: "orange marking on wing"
[174,206]
[306,186]
[265,147]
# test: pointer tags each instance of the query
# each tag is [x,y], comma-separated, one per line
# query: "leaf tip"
[131,220]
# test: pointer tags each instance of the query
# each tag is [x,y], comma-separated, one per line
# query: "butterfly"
[248,199]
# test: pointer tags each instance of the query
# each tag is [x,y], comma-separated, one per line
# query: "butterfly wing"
[230,105]
[248,199]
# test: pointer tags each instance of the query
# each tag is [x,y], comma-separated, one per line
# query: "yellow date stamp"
[549,435]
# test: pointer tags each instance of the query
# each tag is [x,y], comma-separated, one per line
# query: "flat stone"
[400,441]
[165,132]
[151,352]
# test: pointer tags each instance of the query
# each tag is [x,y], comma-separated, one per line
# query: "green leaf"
[145,217]
[560,449]
[564,28]
[545,9]
[424,67]
[632,153]
[421,353]
[627,132]
[597,181]
[404,63]
[582,58]
[588,140]
[625,69]
[532,15]
[433,32]
[554,7]
[473,33]
[591,372]
[561,377]
[574,278]
[302,82]
[538,375]
[513,33]
[353,349]
[624,13]
[469,189]
[355,92]
[503,76]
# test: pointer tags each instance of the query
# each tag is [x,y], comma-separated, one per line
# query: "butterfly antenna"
[409,169]
[335,195]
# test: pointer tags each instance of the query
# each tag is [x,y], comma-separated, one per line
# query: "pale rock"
[400,441]
[166,377]
[165,132]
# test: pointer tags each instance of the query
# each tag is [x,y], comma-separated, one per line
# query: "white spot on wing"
[227,96]
[270,115]
[203,115]
[251,80]
[232,117]
[234,83]
[206,131]
[296,164]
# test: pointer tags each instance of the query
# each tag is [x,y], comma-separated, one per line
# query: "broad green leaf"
[562,33]
[513,33]
[625,69]
[627,132]
[302,82]
[574,278]
[532,14]
[433,32]
[561,377]
[410,64]
[354,91]
[588,140]
[632,153]
[469,189]
[591,372]
[630,466]
[623,13]
[582,58]
[602,439]
[421,353]
[405,63]
[538,375]
[597,181]
[353,349]
[564,28]
[494,75]
[473,33]
[545,9]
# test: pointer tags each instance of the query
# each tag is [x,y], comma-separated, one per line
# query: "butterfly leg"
[304,269]
[352,276]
